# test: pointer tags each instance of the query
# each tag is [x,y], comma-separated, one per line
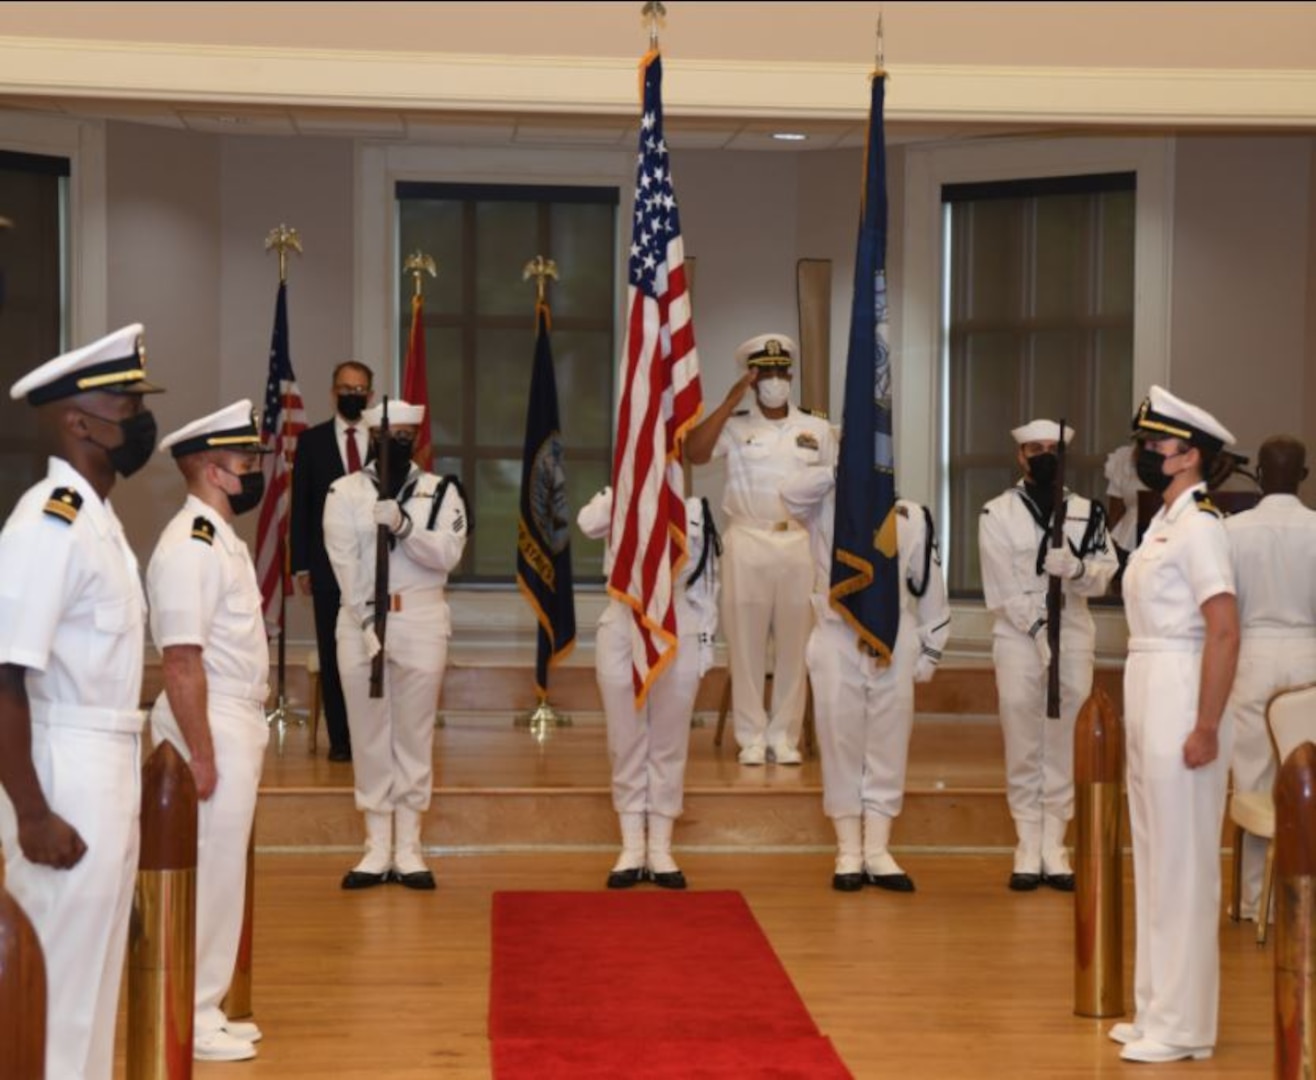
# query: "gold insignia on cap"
[772,347]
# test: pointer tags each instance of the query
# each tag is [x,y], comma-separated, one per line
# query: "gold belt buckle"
[395,602]
[780,526]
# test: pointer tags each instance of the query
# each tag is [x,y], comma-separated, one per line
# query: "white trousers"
[767,580]
[864,714]
[1265,666]
[393,736]
[1175,815]
[92,780]
[239,734]
[1039,752]
[648,749]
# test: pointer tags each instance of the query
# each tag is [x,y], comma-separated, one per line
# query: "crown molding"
[218,75]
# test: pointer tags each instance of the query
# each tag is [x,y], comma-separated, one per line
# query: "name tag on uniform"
[807,439]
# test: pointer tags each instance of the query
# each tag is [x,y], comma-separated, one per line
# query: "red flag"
[415,385]
[283,422]
[661,401]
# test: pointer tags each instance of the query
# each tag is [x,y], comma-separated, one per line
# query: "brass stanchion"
[162,938]
[237,1002]
[1099,867]
[542,719]
[22,995]
[1295,910]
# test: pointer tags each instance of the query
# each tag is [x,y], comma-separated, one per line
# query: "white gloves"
[371,641]
[1063,563]
[1043,647]
[388,513]
[924,668]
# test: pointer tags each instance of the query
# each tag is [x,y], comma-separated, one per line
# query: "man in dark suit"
[324,453]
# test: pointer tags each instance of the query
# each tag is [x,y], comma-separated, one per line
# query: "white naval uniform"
[865,710]
[767,570]
[1039,752]
[202,587]
[648,747]
[1175,812]
[393,736]
[72,613]
[1273,548]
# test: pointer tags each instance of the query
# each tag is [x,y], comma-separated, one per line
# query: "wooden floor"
[962,979]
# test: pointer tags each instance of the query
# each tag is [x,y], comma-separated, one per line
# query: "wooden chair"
[1291,719]
[808,736]
[313,678]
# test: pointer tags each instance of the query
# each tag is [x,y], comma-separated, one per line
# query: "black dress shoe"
[1059,882]
[847,882]
[671,880]
[1025,882]
[340,753]
[625,879]
[892,882]
[356,879]
[417,879]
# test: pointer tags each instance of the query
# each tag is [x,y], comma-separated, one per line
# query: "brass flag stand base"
[542,719]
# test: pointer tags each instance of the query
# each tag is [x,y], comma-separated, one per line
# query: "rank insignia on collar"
[203,529]
[64,503]
[807,439]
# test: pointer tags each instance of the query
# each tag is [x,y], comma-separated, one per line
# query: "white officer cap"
[116,363]
[767,351]
[1162,414]
[399,412]
[230,428]
[1042,431]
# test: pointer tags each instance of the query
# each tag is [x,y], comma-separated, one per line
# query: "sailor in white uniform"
[865,709]
[648,746]
[393,735]
[1017,564]
[72,626]
[1274,556]
[206,620]
[1183,648]
[767,568]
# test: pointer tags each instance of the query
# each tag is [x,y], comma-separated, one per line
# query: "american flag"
[284,421]
[661,400]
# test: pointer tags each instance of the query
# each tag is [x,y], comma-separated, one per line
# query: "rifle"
[382,538]
[1053,598]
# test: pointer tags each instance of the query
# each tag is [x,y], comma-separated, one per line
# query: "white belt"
[419,600]
[237,688]
[1293,633]
[789,525]
[86,717]
[1144,644]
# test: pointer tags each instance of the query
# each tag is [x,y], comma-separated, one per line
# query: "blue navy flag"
[543,541]
[865,574]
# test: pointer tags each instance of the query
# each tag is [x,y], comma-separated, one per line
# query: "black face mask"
[1150,466]
[399,463]
[138,442]
[253,490]
[351,406]
[1042,470]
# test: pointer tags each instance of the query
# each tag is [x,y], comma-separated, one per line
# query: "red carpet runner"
[644,984]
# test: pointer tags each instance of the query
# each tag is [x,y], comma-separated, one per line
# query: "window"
[33,196]
[479,328]
[1039,321]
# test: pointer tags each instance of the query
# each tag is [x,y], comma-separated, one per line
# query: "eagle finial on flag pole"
[418,264]
[541,270]
[283,240]
[655,14]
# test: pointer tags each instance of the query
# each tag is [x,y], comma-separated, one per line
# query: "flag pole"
[283,239]
[543,718]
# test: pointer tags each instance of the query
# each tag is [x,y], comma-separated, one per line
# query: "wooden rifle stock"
[382,537]
[1053,598]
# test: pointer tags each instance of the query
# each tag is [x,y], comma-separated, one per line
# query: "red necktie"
[353,454]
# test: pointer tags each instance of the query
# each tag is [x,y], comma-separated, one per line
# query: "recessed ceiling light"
[789,136]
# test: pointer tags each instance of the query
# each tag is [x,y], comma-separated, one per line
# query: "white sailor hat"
[1042,431]
[231,428]
[399,412]
[767,351]
[116,363]
[1162,414]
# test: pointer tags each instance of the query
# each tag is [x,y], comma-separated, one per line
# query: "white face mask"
[773,393]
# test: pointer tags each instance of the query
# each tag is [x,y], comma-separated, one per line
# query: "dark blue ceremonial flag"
[865,575]
[543,541]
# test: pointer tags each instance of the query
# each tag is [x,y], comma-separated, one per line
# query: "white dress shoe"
[221,1046]
[786,755]
[1124,1033]
[244,1030]
[1153,1052]
[753,755]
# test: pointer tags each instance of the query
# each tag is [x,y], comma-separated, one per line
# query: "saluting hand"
[51,841]
[742,386]
[1200,748]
